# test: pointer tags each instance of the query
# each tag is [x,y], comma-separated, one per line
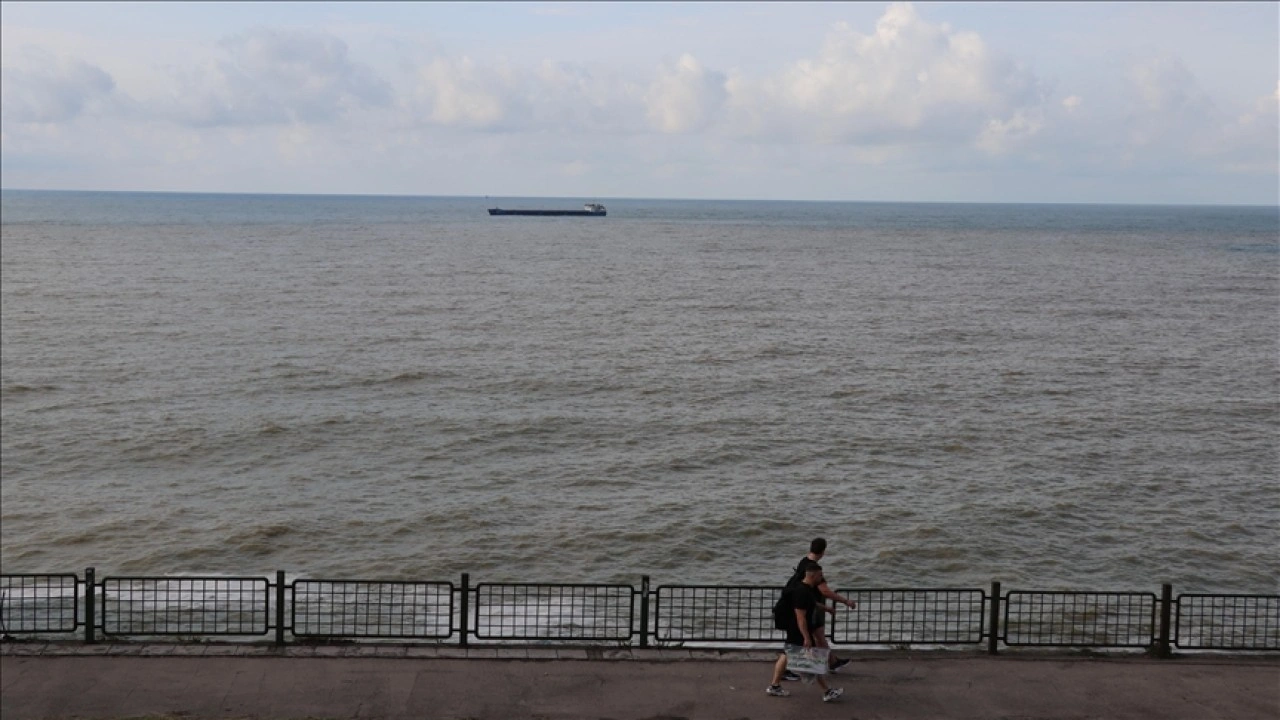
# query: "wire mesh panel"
[910,616]
[702,612]
[528,611]
[185,606]
[372,609]
[1083,619]
[38,603]
[1228,622]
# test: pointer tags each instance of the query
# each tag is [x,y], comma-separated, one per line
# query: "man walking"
[800,605]
[818,548]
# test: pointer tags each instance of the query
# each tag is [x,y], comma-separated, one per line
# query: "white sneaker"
[832,695]
[776,691]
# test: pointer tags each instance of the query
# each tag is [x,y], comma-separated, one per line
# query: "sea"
[1072,397]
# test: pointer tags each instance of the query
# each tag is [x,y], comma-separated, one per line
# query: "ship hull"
[549,213]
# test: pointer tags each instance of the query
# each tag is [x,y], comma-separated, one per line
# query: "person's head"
[818,547]
[813,574]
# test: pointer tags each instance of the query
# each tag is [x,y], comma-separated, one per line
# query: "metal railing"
[1228,622]
[709,613]
[185,606]
[1079,619]
[438,611]
[39,603]
[530,611]
[372,609]
[912,617]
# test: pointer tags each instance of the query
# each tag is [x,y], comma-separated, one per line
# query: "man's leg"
[779,667]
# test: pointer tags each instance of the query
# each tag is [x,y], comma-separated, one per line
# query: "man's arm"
[830,594]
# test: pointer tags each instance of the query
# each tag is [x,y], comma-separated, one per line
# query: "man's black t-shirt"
[797,579]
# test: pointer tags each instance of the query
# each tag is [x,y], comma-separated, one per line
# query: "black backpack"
[782,611]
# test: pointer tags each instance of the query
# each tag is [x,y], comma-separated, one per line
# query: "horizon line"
[624,198]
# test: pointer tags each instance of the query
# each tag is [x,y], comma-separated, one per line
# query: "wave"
[14,389]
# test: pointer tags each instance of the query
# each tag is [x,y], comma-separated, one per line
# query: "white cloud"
[272,77]
[1164,85]
[577,98]
[1170,118]
[909,81]
[462,92]
[1250,142]
[568,99]
[1001,136]
[684,97]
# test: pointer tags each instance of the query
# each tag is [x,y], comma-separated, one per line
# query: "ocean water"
[1074,397]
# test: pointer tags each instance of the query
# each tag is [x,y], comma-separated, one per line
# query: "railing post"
[463,609]
[994,637]
[644,611]
[1166,609]
[90,598]
[279,607]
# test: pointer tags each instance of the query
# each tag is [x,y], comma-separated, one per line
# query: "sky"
[1091,102]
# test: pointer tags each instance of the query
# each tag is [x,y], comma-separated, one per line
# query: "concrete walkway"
[194,682]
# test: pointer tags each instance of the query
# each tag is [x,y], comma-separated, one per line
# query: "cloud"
[909,81]
[1250,142]
[53,89]
[273,77]
[1152,121]
[464,93]
[552,97]
[1168,114]
[1003,135]
[684,97]
[579,98]
[1164,85]
[1170,120]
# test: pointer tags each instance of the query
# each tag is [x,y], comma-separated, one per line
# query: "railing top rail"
[1143,593]
[180,578]
[348,581]
[911,589]
[720,587]
[477,586]
[1227,595]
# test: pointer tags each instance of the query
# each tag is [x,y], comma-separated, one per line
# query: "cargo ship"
[588,210]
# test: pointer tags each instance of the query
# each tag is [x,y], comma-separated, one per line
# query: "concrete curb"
[579,653]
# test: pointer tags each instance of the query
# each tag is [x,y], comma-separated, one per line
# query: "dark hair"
[818,546]
[813,568]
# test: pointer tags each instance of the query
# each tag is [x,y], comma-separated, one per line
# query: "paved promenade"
[195,682]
